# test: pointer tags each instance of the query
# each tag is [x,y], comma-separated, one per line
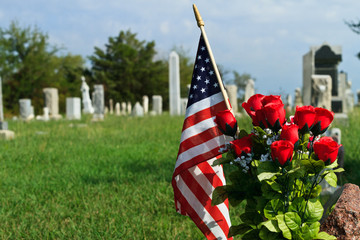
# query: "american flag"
[194,177]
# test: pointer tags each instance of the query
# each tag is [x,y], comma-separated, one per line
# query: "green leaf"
[305,232]
[275,186]
[338,170]
[314,229]
[272,226]
[219,195]
[267,166]
[314,211]
[293,221]
[242,134]
[220,161]
[325,236]
[333,165]
[273,208]
[266,176]
[331,178]
[251,218]
[312,165]
[282,225]
[297,205]
[316,191]
[251,235]
[239,229]
[265,234]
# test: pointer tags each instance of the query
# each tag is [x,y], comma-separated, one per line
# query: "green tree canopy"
[28,63]
[355,27]
[127,69]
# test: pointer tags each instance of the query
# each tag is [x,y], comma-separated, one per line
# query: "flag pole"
[201,24]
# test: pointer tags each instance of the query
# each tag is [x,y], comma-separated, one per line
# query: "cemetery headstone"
[51,98]
[321,91]
[123,108]
[249,89]
[73,108]
[289,102]
[174,84]
[138,110]
[232,93]
[146,104]
[25,109]
[157,104]
[111,106]
[128,108]
[86,101]
[298,98]
[99,102]
[117,109]
[45,116]
[183,104]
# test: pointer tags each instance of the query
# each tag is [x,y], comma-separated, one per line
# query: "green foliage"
[128,70]
[286,202]
[28,64]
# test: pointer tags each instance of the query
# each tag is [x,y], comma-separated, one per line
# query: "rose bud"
[304,117]
[290,132]
[226,122]
[323,118]
[282,152]
[271,99]
[242,145]
[326,149]
[275,115]
[253,104]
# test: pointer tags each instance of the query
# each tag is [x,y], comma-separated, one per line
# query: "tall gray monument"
[51,97]
[174,84]
[99,102]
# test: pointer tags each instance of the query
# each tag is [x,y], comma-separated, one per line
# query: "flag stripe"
[197,139]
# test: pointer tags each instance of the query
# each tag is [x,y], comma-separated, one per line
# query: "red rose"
[304,117]
[226,122]
[242,145]
[290,132]
[282,151]
[271,116]
[323,118]
[253,104]
[271,99]
[326,149]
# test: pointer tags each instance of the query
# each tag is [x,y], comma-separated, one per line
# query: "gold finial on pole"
[199,20]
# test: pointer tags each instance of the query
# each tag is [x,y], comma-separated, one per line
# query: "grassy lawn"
[104,180]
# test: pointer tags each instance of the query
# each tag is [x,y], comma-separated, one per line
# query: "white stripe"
[203,104]
[198,128]
[200,210]
[209,188]
[199,149]
[219,173]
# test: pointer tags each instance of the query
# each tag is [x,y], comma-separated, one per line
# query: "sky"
[265,38]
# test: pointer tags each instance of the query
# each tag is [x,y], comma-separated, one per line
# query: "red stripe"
[197,159]
[205,200]
[203,115]
[199,139]
[192,213]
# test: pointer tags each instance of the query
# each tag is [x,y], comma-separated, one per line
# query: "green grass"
[104,180]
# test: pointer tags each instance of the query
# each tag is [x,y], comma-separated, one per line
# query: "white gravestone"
[321,93]
[249,89]
[123,108]
[111,106]
[183,102]
[146,104]
[73,108]
[129,108]
[99,102]
[25,109]
[298,98]
[45,117]
[174,84]
[157,104]
[138,110]
[232,93]
[51,97]
[117,109]
[86,101]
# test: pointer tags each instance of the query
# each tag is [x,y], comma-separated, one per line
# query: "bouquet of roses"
[278,169]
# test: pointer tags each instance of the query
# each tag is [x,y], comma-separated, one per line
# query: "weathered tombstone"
[289,102]
[138,110]
[45,116]
[249,89]
[344,220]
[73,108]
[321,91]
[183,102]
[298,98]
[349,97]
[117,109]
[111,106]
[157,104]
[128,108]
[87,105]
[174,84]
[99,102]
[25,109]
[123,108]
[146,104]
[51,98]
[232,93]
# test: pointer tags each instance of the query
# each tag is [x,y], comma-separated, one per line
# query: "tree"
[28,63]
[355,27]
[127,69]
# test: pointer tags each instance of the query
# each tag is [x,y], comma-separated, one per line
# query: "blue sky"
[264,38]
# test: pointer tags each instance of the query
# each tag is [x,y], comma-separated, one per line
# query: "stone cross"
[174,84]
